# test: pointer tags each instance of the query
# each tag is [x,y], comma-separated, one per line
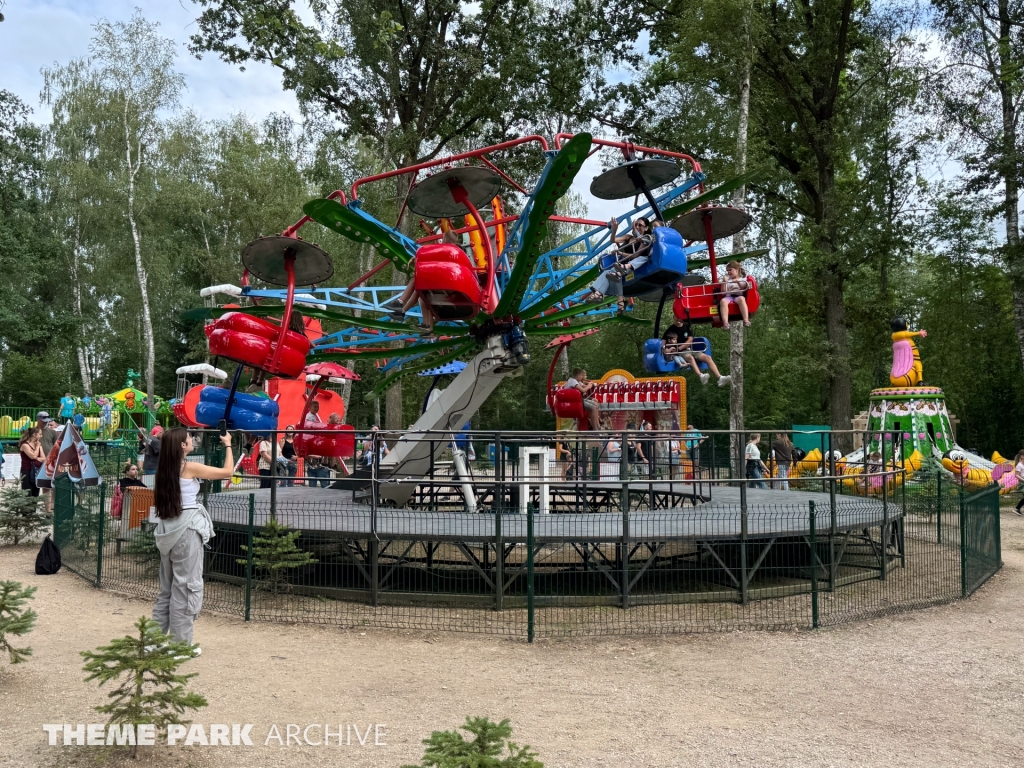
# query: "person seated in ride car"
[410,296]
[677,343]
[633,252]
[735,287]
[578,380]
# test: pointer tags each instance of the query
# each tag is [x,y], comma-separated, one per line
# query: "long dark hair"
[167,491]
[28,434]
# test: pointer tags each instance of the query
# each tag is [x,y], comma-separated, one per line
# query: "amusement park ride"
[487,305]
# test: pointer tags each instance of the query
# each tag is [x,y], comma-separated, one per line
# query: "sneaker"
[152,648]
[396,317]
[705,378]
[196,651]
[723,380]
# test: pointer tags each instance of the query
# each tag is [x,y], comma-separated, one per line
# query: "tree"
[74,185]
[449,749]
[32,319]
[981,91]
[275,552]
[135,69]
[149,687]
[15,618]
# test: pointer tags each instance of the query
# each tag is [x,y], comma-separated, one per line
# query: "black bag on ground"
[48,559]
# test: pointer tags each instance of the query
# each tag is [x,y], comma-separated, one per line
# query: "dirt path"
[938,687]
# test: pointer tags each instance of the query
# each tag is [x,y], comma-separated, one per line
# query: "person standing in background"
[782,453]
[756,468]
[151,457]
[290,464]
[31,460]
[67,406]
[47,437]
[263,463]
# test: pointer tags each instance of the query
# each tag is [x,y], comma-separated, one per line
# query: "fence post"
[530,615]
[740,459]
[499,560]
[963,545]
[624,473]
[99,538]
[248,555]
[938,507]
[884,544]
[814,567]
[998,524]
[273,474]
[833,527]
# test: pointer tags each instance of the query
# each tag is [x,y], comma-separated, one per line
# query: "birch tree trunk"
[140,269]
[736,329]
[76,287]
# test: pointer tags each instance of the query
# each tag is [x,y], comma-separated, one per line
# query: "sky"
[41,33]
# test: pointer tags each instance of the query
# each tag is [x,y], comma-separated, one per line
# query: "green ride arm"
[579,309]
[558,330]
[712,194]
[432,361]
[567,290]
[348,223]
[563,170]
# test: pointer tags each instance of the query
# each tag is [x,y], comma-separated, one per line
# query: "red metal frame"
[628,148]
[450,159]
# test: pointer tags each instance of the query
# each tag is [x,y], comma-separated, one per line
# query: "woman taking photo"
[184,527]
[32,459]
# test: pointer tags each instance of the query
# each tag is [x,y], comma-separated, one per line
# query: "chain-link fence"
[805,560]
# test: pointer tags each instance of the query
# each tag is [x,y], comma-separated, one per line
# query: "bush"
[448,749]
[15,619]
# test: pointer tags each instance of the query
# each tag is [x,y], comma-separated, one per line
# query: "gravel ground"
[937,687]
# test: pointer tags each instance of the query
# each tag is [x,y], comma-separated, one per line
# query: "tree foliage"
[854,119]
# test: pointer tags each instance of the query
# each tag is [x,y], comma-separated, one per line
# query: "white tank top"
[189,492]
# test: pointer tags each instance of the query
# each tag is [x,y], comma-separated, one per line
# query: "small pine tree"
[448,749]
[150,689]
[20,516]
[15,618]
[274,552]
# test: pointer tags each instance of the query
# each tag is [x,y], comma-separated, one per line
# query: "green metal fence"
[632,571]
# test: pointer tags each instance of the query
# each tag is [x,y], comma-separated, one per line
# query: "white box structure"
[545,457]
